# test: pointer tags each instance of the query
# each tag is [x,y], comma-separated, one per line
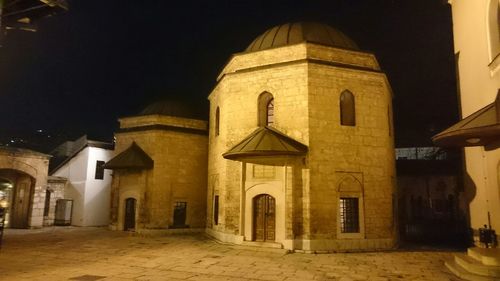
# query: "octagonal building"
[301,149]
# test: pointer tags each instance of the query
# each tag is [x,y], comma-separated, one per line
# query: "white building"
[476,30]
[81,162]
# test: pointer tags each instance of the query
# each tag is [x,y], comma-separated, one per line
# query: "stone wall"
[179,172]
[56,186]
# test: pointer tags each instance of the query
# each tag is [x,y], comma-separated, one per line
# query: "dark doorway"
[264,209]
[129,214]
[21,204]
[180,209]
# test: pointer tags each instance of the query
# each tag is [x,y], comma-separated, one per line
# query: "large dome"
[171,108]
[293,33]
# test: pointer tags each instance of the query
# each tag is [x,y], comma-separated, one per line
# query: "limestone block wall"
[179,173]
[236,96]
[56,186]
[364,151]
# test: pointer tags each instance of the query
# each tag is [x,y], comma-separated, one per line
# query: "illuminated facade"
[477,47]
[301,152]
[159,171]
[476,28]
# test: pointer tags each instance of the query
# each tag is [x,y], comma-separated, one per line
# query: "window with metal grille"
[265,112]
[263,172]
[99,170]
[349,215]
[216,209]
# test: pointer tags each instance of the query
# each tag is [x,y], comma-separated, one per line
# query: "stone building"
[159,170]
[23,181]
[301,152]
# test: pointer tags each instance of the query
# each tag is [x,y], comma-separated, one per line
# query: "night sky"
[105,59]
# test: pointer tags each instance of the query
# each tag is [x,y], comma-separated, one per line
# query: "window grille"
[349,215]
[263,172]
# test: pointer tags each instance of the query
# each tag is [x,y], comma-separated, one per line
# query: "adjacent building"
[476,28]
[160,171]
[23,185]
[89,184]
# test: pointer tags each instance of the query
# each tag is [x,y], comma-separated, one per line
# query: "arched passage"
[16,193]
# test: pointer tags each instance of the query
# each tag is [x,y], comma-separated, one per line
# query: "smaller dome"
[170,108]
[298,32]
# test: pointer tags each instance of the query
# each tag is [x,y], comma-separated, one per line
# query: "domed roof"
[170,108]
[293,33]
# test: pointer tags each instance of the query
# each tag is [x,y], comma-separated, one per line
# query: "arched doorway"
[16,192]
[130,204]
[264,218]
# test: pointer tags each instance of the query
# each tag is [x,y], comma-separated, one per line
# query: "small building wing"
[266,141]
[131,158]
[480,128]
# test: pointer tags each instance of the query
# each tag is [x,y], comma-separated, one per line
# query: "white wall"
[97,192]
[91,196]
[479,84]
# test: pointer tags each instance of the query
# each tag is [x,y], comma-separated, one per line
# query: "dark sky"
[105,59]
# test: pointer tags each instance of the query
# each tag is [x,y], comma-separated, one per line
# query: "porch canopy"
[131,158]
[481,128]
[266,145]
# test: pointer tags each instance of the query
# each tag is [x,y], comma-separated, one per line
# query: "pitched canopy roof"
[480,128]
[131,158]
[298,32]
[266,141]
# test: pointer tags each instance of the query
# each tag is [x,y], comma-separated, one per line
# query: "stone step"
[488,256]
[263,244]
[462,273]
[474,266]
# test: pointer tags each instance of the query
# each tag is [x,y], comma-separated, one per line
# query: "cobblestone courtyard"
[99,254]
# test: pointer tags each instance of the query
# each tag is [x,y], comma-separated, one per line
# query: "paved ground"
[99,254]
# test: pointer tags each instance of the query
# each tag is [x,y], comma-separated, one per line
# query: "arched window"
[270,113]
[494,28]
[217,121]
[265,109]
[347,109]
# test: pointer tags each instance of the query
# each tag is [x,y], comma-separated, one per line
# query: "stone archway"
[26,172]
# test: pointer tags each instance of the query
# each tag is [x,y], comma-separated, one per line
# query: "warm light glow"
[4,204]
[473,140]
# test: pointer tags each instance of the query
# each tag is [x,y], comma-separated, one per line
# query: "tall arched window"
[347,109]
[217,121]
[270,113]
[494,28]
[265,109]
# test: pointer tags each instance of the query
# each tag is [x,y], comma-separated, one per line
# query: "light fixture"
[473,140]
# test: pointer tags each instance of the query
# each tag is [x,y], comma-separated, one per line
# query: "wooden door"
[264,224]
[21,205]
[129,214]
[180,209]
